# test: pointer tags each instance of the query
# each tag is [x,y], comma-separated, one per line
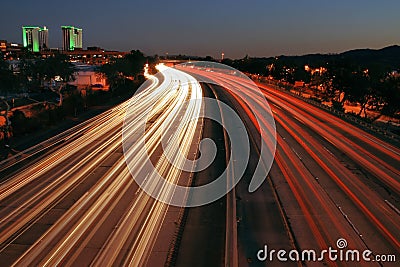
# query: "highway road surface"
[330,180]
[75,199]
[75,202]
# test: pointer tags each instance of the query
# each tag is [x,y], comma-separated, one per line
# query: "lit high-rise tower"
[72,38]
[30,38]
[35,38]
[44,38]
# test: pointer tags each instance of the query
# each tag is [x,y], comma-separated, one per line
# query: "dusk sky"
[256,28]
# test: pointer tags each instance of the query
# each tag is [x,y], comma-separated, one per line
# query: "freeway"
[75,202]
[87,197]
[331,179]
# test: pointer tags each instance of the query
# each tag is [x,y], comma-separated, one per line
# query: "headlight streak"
[164,115]
[136,140]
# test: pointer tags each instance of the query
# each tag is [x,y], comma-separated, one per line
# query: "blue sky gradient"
[255,27]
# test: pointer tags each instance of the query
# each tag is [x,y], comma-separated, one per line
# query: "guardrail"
[231,252]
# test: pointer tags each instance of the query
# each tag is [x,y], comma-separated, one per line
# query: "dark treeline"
[369,78]
[121,72]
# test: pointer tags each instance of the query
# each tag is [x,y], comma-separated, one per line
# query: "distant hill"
[388,56]
[385,59]
[390,50]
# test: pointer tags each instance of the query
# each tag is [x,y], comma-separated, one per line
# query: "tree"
[389,91]
[360,90]
[323,81]
[300,74]
[8,85]
[118,71]
[54,72]
[28,76]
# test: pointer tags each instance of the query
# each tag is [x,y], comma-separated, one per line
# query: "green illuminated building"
[35,38]
[72,38]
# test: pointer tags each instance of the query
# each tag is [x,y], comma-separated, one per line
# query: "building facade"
[35,38]
[72,38]
[30,38]
[44,38]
